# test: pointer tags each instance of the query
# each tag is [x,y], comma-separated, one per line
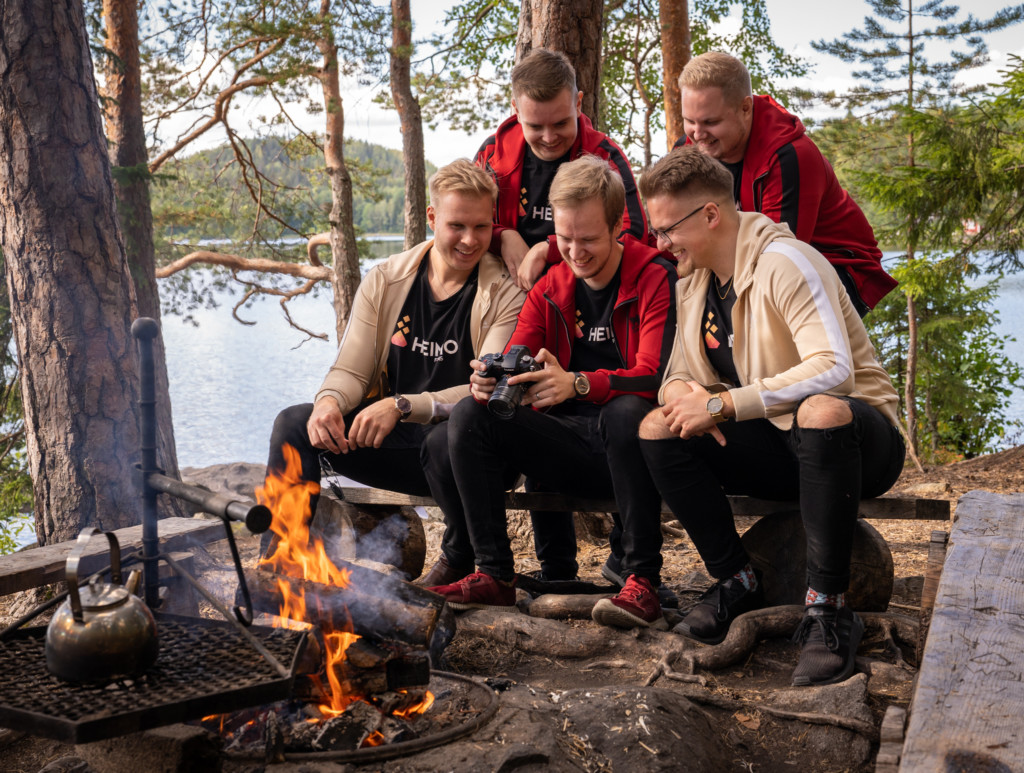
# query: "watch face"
[715,405]
[582,385]
[403,405]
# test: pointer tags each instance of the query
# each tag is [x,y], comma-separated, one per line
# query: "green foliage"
[201,196]
[15,483]
[964,377]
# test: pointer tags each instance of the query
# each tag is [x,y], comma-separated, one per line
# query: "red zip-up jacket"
[643,322]
[786,178]
[501,156]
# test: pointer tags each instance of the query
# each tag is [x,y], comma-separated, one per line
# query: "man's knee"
[654,427]
[620,417]
[823,412]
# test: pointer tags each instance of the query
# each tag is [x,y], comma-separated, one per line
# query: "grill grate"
[204,667]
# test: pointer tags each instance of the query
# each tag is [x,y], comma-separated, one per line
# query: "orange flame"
[376,738]
[295,555]
[417,708]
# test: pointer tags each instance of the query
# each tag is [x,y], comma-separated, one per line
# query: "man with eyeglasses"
[773,391]
[778,170]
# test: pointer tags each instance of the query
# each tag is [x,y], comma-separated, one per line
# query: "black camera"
[506,397]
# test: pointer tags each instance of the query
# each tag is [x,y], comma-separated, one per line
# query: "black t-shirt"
[535,220]
[718,337]
[736,170]
[594,347]
[431,345]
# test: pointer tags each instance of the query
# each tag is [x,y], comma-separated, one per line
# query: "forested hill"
[204,195]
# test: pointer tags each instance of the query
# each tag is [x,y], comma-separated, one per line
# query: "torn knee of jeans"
[825,410]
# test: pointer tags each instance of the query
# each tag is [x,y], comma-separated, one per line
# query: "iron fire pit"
[204,667]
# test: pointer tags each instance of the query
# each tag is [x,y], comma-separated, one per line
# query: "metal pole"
[145,330]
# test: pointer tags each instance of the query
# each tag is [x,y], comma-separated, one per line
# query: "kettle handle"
[71,568]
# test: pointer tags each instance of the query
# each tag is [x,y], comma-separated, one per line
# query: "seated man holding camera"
[586,356]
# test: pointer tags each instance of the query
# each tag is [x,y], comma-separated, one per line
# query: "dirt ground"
[734,698]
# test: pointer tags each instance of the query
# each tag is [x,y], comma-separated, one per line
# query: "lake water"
[228,381]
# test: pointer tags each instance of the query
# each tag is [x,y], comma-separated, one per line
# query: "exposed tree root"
[847,723]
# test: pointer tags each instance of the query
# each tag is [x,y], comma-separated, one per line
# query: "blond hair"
[717,69]
[542,75]
[462,176]
[686,170]
[586,178]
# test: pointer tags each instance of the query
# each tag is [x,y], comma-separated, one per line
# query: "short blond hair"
[542,75]
[717,69]
[586,178]
[462,176]
[686,170]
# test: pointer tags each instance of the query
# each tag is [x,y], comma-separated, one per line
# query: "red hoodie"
[643,321]
[501,156]
[786,178]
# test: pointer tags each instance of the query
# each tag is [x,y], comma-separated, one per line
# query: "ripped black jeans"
[827,470]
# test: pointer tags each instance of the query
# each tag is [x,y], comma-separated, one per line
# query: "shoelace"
[633,591]
[820,625]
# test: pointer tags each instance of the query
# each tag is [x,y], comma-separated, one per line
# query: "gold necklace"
[719,288]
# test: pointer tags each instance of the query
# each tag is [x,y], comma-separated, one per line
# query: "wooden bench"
[969,699]
[44,565]
[882,508]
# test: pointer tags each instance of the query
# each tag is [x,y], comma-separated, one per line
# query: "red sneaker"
[635,606]
[479,591]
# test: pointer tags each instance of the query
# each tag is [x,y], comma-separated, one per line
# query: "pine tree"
[912,55]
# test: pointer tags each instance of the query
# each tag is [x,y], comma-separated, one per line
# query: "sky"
[795,23]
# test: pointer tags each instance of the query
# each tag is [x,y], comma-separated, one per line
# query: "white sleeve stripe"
[833,326]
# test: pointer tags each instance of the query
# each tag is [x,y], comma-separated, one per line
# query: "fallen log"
[372,604]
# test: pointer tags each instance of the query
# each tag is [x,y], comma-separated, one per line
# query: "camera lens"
[505,399]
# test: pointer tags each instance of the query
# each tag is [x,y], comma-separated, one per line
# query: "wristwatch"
[403,406]
[581,385]
[715,407]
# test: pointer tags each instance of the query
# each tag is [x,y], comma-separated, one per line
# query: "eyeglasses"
[664,233]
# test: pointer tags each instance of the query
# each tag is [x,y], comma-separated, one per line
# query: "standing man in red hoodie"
[546,130]
[778,171]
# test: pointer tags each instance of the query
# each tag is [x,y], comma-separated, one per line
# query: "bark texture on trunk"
[574,28]
[408,108]
[675,53]
[71,294]
[127,137]
[344,252]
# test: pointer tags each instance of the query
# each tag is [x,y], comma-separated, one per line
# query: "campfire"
[366,681]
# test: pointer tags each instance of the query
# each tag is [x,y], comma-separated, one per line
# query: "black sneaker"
[711,616]
[829,639]
[610,571]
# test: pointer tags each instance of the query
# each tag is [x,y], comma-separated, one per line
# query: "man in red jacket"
[778,170]
[600,325]
[546,130]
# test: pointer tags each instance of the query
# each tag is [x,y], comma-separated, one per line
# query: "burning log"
[372,604]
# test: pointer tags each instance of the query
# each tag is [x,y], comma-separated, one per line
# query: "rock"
[237,478]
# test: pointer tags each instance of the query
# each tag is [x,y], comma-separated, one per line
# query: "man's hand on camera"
[551,386]
[480,387]
[326,426]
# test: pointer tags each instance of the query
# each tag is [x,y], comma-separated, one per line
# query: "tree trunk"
[574,28]
[71,293]
[408,108]
[128,155]
[344,252]
[675,53]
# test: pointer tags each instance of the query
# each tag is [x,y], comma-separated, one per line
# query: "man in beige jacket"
[417,321]
[772,390]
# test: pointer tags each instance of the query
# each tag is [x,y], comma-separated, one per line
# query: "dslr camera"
[506,397]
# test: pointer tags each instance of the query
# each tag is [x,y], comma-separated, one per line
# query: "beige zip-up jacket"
[363,351]
[795,332]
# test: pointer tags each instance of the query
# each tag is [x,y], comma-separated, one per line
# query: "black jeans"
[828,470]
[400,464]
[594,454]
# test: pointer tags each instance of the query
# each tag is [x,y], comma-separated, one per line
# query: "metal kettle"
[103,631]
